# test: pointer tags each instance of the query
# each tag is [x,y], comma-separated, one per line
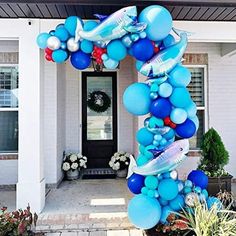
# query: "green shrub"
[214,154]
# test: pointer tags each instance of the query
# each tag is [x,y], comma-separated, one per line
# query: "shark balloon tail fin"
[179,32]
[79,27]
[132,164]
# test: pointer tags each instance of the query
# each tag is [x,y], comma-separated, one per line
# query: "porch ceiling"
[193,10]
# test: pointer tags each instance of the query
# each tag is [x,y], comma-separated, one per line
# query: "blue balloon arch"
[163,141]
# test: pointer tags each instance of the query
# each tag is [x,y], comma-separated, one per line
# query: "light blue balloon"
[168,189]
[195,120]
[163,142]
[90,25]
[151,182]
[136,99]
[205,193]
[139,64]
[169,135]
[144,212]
[187,190]
[141,148]
[111,64]
[180,185]
[178,203]
[116,50]
[59,56]
[86,46]
[144,136]
[151,193]
[126,40]
[165,90]
[180,76]
[144,190]
[71,24]
[178,115]
[63,46]
[180,97]
[158,20]
[105,57]
[147,152]
[162,201]
[143,35]
[62,34]
[168,41]
[166,211]
[142,160]
[188,183]
[42,40]
[60,26]
[214,201]
[191,109]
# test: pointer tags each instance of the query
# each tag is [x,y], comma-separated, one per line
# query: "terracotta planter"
[216,184]
[122,173]
[72,174]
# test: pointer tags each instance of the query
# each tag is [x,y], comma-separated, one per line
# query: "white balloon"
[72,45]
[174,174]
[53,43]
[191,199]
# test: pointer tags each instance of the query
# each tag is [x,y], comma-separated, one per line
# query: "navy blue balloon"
[80,60]
[198,178]
[135,183]
[186,129]
[161,107]
[143,49]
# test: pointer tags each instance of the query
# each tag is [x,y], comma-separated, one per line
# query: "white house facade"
[41,103]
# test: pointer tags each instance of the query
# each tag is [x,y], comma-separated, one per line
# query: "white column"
[31,182]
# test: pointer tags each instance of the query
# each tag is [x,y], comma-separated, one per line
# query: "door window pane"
[9,131]
[99,125]
[8,86]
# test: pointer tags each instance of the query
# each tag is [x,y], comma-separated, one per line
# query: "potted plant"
[120,162]
[72,163]
[214,158]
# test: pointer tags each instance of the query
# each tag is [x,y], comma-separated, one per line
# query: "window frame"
[2,109]
[204,108]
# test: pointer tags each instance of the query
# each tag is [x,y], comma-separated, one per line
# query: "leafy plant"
[211,222]
[214,154]
[16,223]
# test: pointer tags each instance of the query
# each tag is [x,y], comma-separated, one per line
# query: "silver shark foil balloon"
[167,160]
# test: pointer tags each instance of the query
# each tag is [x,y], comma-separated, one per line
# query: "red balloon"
[172,125]
[156,49]
[167,120]
[48,51]
[48,57]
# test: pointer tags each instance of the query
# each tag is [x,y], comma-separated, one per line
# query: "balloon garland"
[98,101]
[164,96]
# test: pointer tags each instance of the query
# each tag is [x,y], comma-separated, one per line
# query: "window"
[197,89]
[8,108]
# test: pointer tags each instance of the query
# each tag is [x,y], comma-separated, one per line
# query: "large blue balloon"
[143,49]
[168,189]
[198,178]
[116,50]
[165,90]
[80,60]
[186,129]
[86,46]
[42,40]
[166,211]
[71,24]
[136,99]
[135,183]
[144,137]
[59,55]
[191,109]
[62,33]
[178,115]
[161,107]
[90,25]
[195,120]
[178,203]
[180,76]
[180,97]
[158,20]
[142,159]
[144,212]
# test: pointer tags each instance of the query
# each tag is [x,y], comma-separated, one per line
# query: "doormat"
[98,174]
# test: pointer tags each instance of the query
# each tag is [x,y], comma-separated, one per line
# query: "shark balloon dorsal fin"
[101,17]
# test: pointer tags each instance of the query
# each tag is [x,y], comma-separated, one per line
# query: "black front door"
[99,129]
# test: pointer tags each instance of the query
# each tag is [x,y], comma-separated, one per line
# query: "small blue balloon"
[178,115]
[126,40]
[143,49]
[162,201]
[86,46]
[205,193]
[60,26]
[188,183]
[168,41]
[161,108]
[180,186]
[62,34]
[186,129]
[80,60]
[42,40]
[142,160]
[52,32]
[136,99]
[135,183]
[151,182]
[147,151]
[90,25]
[116,50]
[105,57]
[214,201]
[144,136]
[71,24]
[177,203]
[168,189]
[139,64]
[165,90]
[166,211]
[158,20]
[180,76]
[198,178]
[180,97]
[63,46]
[197,189]
[187,190]
[111,64]
[169,135]
[143,35]
[144,212]
[141,148]
[59,55]
[134,37]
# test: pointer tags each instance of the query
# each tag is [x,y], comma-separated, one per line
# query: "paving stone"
[69,234]
[99,226]
[53,234]
[135,232]
[42,227]
[85,226]
[98,233]
[118,233]
[71,226]
[57,227]
[83,234]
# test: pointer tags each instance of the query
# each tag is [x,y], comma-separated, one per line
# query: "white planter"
[72,174]
[122,173]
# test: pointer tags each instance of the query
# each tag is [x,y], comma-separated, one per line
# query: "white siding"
[8,172]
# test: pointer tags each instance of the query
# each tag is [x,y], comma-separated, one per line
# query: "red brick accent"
[8,156]
[195,153]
